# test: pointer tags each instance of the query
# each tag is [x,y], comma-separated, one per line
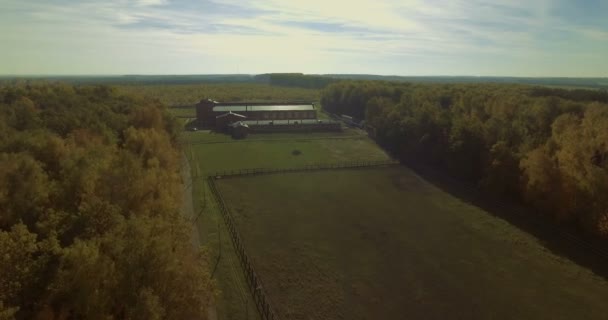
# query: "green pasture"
[212,152]
[382,243]
[190,94]
[218,152]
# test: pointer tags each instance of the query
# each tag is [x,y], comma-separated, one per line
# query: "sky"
[530,38]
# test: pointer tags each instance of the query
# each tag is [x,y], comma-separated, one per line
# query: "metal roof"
[242,108]
[230,113]
[239,124]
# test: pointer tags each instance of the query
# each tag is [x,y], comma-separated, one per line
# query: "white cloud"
[145,3]
[594,34]
[365,36]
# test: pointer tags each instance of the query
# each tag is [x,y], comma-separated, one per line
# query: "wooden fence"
[254,283]
[309,167]
[253,280]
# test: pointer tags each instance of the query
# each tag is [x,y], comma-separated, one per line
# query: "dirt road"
[187,210]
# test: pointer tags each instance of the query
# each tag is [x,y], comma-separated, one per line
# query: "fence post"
[255,286]
[253,281]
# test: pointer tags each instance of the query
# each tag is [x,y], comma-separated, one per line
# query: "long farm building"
[213,114]
[241,118]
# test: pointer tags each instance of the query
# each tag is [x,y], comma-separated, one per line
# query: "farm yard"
[381,243]
[368,243]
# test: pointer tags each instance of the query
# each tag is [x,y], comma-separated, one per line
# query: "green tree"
[24,189]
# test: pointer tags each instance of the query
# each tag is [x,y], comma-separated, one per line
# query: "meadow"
[210,152]
[189,94]
[382,243]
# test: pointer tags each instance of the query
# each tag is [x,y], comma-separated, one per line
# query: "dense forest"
[132,79]
[547,147]
[299,80]
[90,193]
[560,82]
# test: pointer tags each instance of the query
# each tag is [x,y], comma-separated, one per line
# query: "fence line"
[298,139]
[309,167]
[261,300]
[253,281]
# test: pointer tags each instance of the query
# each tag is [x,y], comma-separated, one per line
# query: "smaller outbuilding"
[223,120]
[239,130]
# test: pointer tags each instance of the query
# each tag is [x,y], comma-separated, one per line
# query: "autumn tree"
[544,146]
[89,208]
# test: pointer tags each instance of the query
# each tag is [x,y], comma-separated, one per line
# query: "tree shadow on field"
[565,241]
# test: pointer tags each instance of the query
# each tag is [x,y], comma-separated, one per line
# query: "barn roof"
[239,124]
[245,107]
[230,113]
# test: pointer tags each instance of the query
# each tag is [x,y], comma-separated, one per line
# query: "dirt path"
[187,210]
[187,201]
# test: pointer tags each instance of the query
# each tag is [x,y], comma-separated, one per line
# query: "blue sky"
[404,37]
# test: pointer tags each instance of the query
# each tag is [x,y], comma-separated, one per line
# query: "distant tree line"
[90,193]
[547,147]
[131,79]
[299,80]
[563,82]
[311,81]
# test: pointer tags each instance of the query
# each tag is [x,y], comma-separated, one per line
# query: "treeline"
[299,80]
[90,193]
[312,81]
[130,79]
[583,83]
[547,147]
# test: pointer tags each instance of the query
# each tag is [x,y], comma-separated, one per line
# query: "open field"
[208,153]
[189,94]
[385,244]
[277,151]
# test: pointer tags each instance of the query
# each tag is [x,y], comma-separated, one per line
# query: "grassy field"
[208,153]
[189,94]
[383,243]
[277,151]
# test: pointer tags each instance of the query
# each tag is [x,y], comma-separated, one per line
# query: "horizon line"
[306,74]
